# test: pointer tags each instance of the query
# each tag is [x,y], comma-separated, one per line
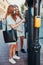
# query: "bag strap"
[6,25]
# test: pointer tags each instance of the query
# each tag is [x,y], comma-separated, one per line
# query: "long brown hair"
[10,10]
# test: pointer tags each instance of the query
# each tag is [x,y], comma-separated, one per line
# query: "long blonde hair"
[18,12]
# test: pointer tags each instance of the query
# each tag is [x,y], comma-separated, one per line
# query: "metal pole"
[33,35]
[30,35]
[30,31]
[36,46]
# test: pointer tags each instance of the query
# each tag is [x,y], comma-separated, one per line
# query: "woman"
[11,23]
[26,18]
[20,28]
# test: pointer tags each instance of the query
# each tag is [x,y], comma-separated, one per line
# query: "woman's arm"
[16,25]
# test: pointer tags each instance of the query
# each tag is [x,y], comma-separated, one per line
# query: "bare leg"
[21,40]
[17,48]
[10,51]
[14,49]
[14,55]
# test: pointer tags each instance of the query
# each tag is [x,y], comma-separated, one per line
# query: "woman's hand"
[19,31]
[23,20]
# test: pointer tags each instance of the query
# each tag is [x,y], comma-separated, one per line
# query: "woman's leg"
[14,50]
[11,51]
[11,60]
[17,48]
[21,41]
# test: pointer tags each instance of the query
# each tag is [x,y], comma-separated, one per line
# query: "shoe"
[23,51]
[12,61]
[16,57]
[17,53]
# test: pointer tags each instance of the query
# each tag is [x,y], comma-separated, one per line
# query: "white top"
[10,21]
[20,27]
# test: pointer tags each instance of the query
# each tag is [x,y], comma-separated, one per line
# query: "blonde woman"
[20,28]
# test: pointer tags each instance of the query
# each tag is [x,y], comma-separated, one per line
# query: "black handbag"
[10,35]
